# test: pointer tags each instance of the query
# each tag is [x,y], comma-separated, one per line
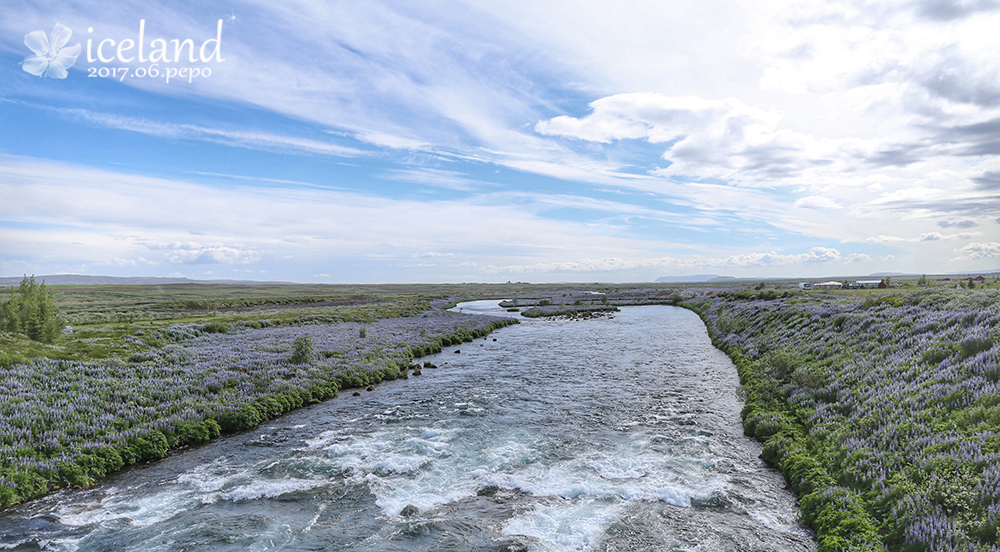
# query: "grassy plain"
[103,316]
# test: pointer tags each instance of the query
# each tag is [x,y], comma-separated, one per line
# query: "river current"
[619,433]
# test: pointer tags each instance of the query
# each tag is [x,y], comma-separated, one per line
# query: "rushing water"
[620,433]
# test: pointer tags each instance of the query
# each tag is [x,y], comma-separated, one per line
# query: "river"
[613,434]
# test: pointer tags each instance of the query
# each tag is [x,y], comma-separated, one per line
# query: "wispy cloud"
[925,237]
[452,180]
[236,138]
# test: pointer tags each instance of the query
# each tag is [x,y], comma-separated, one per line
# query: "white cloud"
[974,251]
[816,202]
[761,259]
[857,258]
[959,224]
[817,255]
[725,139]
[212,254]
[886,239]
[822,255]
[581,265]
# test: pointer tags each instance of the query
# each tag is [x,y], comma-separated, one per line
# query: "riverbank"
[69,423]
[883,414]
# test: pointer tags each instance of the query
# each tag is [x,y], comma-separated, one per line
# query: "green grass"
[104,317]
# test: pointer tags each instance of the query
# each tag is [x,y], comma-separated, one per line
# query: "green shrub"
[216,327]
[73,474]
[940,351]
[32,311]
[245,417]
[302,350]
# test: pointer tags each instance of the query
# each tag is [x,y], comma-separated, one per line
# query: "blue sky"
[537,141]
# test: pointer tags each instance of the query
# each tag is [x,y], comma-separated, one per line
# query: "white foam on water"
[57,545]
[395,493]
[576,525]
[432,446]
[425,467]
[50,545]
[402,464]
[206,482]
[324,439]
[620,472]
[271,489]
[202,485]
[782,524]
[429,467]
[142,511]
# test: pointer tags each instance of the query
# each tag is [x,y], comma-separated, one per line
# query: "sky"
[474,141]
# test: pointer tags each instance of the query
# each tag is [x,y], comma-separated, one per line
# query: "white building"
[829,285]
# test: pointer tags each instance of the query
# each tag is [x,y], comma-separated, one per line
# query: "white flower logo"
[50,59]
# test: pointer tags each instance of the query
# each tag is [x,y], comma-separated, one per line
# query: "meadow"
[882,410]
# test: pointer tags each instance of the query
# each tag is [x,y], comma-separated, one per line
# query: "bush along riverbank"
[883,414]
[68,423]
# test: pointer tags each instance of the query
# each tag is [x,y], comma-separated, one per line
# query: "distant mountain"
[883,274]
[694,278]
[85,280]
[994,271]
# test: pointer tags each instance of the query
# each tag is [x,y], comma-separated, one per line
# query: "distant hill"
[85,280]
[694,278]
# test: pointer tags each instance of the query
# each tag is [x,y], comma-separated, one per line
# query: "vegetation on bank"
[882,412]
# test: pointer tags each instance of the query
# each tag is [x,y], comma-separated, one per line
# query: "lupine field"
[884,414]
[68,423]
